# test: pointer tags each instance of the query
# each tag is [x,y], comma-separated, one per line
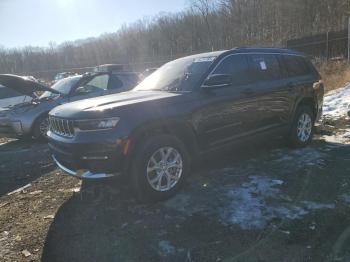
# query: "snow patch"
[254,204]
[341,138]
[336,103]
[299,157]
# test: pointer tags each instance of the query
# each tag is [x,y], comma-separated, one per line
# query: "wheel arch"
[35,121]
[178,128]
[307,101]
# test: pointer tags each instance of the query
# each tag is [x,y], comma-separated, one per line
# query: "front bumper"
[82,174]
[93,159]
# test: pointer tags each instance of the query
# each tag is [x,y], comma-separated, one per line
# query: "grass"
[335,74]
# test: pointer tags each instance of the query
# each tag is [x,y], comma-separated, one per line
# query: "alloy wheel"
[164,169]
[304,127]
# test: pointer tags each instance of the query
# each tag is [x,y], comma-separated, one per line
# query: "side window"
[128,81]
[115,83]
[237,66]
[265,67]
[98,83]
[296,65]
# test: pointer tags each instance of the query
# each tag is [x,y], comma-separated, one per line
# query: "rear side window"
[265,67]
[296,65]
[237,66]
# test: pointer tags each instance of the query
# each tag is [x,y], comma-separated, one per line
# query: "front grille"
[62,127]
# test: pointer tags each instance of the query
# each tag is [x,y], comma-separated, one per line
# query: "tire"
[38,132]
[302,129]
[164,160]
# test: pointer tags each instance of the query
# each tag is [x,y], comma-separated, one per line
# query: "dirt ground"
[263,203]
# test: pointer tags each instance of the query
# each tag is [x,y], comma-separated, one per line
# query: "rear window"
[265,67]
[296,65]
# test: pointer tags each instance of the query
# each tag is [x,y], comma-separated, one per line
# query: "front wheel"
[41,128]
[159,168]
[302,129]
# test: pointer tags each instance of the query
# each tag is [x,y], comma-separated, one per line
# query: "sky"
[39,22]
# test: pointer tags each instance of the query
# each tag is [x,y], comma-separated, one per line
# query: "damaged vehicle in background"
[30,118]
[9,97]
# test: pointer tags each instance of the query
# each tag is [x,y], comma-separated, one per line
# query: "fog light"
[95,157]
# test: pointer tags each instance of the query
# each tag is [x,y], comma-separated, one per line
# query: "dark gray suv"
[186,108]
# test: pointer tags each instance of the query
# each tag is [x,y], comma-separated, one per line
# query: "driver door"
[97,86]
[228,112]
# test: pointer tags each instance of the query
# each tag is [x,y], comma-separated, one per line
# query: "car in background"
[9,97]
[63,75]
[30,119]
[109,68]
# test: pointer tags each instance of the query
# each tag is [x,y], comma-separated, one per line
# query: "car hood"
[107,103]
[23,85]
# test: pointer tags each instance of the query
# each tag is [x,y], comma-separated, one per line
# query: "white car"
[9,97]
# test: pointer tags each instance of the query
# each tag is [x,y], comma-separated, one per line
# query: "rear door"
[228,112]
[273,95]
[300,79]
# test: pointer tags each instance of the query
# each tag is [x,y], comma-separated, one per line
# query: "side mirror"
[218,80]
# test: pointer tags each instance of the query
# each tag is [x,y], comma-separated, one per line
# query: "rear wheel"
[303,127]
[159,168]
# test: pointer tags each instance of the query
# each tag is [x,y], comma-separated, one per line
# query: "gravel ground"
[263,202]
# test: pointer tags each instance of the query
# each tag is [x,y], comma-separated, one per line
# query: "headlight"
[97,124]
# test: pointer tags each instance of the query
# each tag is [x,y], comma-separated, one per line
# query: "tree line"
[204,25]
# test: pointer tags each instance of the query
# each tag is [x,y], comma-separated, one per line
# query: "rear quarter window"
[296,66]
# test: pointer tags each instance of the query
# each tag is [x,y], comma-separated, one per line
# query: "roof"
[267,50]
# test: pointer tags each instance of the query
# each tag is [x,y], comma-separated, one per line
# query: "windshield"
[179,75]
[63,86]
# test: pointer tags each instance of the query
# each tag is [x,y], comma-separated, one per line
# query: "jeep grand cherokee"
[189,106]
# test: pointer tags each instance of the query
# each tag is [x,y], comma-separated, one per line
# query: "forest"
[204,25]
